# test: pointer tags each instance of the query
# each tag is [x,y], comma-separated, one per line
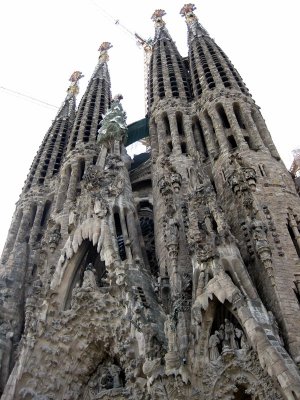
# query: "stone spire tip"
[157,18]
[104,47]
[187,11]
[73,89]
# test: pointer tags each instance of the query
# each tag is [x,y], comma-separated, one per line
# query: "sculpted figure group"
[228,337]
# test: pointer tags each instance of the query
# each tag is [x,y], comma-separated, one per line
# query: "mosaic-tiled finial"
[73,89]
[104,47]
[117,97]
[187,11]
[157,17]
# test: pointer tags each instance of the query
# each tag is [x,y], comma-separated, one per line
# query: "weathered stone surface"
[176,280]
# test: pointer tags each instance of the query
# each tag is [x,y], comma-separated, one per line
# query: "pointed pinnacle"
[157,18]
[73,89]
[104,47]
[187,11]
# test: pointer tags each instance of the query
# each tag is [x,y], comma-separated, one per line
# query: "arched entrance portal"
[88,258]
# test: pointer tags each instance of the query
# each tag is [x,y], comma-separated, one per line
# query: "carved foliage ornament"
[107,183]
[114,125]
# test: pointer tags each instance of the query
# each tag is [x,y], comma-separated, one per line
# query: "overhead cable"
[28,97]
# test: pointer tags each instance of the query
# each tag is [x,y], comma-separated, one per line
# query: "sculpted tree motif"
[114,127]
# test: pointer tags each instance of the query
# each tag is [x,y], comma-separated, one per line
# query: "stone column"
[210,140]
[220,131]
[133,234]
[251,127]
[25,226]
[174,134]
[264,132]
[36,227]
[161,134]
[63,188]
[190,141]
[294,227]
[73,182]
[235,128]
[153,138]
[12,235]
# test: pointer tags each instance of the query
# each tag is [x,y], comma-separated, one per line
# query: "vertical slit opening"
[179,123]
[166,124]
[46,213]
[238,115]
[223,116]
[232,142]
[119,236]
[81,169]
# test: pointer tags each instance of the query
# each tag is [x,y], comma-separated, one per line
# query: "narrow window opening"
[161,88]
[95,158]
[81,169]
[167,125]
[248,141]
[214,186]
[262,170]
[214,224]
[170,146]
[183,148]
[238,115]
[46,213]
[223,116]
[120,237]
[232,142]
[179,124]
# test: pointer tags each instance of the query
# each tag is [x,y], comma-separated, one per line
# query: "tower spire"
[49,157]
[210,67]
[194,26]
[167,73]
[94,103]
[160,25]
[69,105]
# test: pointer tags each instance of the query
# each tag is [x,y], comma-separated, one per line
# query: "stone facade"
[174,279]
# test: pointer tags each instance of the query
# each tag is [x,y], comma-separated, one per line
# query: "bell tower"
[172,275]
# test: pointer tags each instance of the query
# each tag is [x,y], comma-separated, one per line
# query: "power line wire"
[116,21]
[28,97]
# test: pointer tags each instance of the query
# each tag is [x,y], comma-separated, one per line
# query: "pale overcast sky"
[43,42]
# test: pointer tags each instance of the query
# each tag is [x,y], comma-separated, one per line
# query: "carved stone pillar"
[174,134]
[220,131]
[73,182]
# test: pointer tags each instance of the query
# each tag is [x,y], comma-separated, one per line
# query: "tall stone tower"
[174,275]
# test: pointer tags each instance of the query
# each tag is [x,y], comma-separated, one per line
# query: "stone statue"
[213,346]
[89,279]
[229,335]
[259,234]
